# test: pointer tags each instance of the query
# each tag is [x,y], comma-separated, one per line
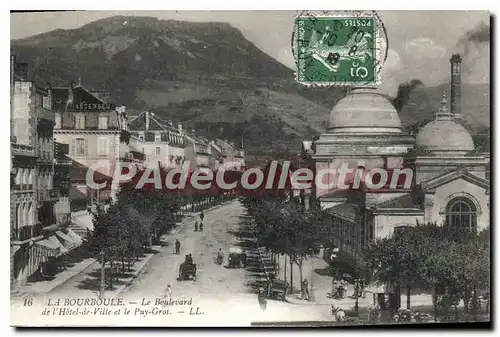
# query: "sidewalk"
[62,278]
[42,287]
[139,267]
[314,269]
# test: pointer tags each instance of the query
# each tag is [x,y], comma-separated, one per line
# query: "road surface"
[219,296]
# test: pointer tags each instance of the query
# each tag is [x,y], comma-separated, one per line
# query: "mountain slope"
[206,75]
[424,101]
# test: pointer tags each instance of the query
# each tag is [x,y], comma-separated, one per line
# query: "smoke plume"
[470,44]
[477,35]
[404,91]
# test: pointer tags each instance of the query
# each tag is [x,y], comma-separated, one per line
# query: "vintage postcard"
[249,169]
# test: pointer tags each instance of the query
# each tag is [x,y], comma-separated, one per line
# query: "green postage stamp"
[338,50]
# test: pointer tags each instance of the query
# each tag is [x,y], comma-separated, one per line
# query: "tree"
[104,241]
[453,264]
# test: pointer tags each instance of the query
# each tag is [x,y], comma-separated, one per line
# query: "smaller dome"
[364,110]
[445,136]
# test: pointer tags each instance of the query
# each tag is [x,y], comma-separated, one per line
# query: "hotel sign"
[84,106]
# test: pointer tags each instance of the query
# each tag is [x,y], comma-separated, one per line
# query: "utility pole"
[103,276]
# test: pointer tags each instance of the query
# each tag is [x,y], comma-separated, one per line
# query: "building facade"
[96,132]
[199,152]
[449,184]
[159,142]
[231,154]
[34,226]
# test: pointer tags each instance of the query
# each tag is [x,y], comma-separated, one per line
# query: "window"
[79,122]
[461,214]
[157,137]
[46,102]
[58,121]
[157,151]
[103,122]
[102,147]
[80,148]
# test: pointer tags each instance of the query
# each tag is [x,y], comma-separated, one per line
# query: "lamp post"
[103,276]
[357,284]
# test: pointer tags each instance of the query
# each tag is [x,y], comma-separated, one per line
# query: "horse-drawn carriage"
[187,269]
[237,258]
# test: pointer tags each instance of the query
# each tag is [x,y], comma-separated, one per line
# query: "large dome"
[364,110]
[445,136]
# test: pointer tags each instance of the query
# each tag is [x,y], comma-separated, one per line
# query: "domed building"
[444,136]
[450,175]
[435,176]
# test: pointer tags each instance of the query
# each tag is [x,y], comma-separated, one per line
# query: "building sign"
[85,106]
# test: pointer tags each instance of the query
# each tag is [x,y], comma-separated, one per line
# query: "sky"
[420,42]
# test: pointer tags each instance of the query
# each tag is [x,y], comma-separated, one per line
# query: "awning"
[57,243]
[14,249]
[48,247]
[83,220]
[68,242]
[76,238]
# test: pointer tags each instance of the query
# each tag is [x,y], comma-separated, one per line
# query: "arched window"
[19,216]
[26,216]
[461,214]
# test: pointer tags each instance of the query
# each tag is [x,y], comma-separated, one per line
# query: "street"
[223,294]
[219,296]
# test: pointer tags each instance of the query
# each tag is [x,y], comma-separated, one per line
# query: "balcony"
[44,113]
[23,187]
[23,150]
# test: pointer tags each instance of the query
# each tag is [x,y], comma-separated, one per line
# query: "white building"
[159,142]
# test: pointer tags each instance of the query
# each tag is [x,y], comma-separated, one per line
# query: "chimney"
[179,127]
[456,85]
[147,120]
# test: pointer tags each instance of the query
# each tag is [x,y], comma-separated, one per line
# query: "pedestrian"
[177,247]
[305,290]
[202,216]
[335,287]
[168,292]
[196,226]
[262,299]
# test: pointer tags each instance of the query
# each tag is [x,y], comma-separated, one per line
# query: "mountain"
[207,75]
[424,101]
